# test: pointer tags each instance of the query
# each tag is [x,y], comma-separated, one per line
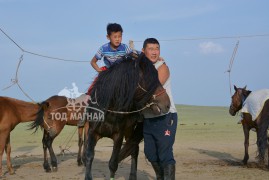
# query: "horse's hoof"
[132,177]
[261,165]
[80,163]
[12,172]
[54,169]
[48,170]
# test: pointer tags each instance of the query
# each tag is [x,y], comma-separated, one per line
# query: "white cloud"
[210,48]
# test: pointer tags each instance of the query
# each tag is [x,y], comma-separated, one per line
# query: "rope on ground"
[66,142]
[231,65]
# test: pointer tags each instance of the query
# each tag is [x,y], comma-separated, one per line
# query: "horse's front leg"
[133,173]
[53,159]
[90,146]
[246,129]
[80,144]
[8,152]
[3,139]
[113,162]
[86,129]
[46,165]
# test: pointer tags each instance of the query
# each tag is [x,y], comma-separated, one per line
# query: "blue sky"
[76,29]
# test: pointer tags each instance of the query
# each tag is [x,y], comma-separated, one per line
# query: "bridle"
[154,95]
[243,98]
[146,106]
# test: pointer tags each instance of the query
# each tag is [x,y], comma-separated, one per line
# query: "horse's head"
[150,87]
[238,99]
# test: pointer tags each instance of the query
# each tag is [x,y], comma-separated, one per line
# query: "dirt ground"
[205,148]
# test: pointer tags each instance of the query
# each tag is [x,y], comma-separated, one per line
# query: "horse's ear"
[235,88]
[245,87]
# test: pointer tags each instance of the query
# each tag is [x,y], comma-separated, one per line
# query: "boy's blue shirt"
[110,55]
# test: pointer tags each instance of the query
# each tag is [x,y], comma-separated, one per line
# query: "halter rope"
[146,106]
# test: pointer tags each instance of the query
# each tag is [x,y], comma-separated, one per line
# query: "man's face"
[115,38]
[152,52]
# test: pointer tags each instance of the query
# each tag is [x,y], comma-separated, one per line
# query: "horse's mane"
[116,87]
[244,92]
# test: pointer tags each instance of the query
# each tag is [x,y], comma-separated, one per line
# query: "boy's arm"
[95,65]
[163,73]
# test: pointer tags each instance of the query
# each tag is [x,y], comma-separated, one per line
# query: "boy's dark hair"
[150,41]
[113,27]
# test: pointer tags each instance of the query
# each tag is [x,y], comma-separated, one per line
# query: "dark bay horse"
[58,112]
[121,93]
[13,112]
[260,124]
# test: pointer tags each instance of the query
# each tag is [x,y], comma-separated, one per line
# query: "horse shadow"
[25,158]
[100,170]
[25,149]
[225,158]
[100,167]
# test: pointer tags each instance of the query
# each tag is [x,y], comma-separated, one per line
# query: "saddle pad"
[255,102]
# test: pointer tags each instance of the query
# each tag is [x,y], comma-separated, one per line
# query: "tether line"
[36,54]
[16,81]
[231,65]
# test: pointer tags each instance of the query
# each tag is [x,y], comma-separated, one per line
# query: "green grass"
[196,123]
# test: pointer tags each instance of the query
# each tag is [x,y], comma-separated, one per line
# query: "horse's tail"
[131,146]
[39,116]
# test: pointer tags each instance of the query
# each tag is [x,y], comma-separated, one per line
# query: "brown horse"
[260,124]
[60,111]
[13,112]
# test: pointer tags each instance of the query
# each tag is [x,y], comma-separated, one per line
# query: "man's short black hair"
[113,27]
[150,41]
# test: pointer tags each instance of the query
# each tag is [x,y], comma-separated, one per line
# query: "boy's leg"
[82,121]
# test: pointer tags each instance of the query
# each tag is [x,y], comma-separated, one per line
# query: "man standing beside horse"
[159,131]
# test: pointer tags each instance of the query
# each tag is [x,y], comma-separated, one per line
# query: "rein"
[146,106]
[130,112]
[154,95]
